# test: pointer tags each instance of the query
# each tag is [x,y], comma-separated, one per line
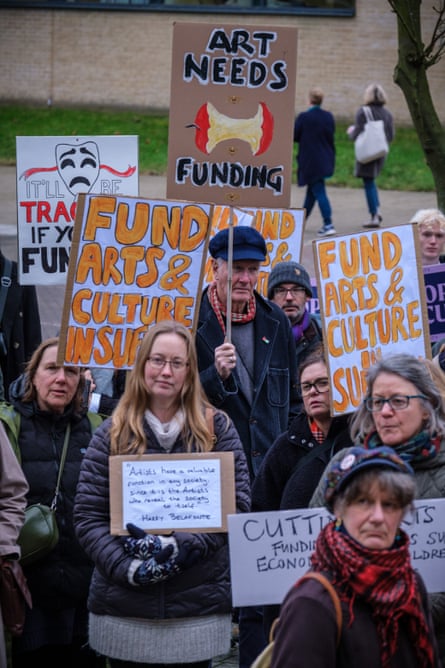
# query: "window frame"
[258,7]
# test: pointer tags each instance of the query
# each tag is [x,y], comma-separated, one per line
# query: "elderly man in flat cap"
[253,376]
[289,286]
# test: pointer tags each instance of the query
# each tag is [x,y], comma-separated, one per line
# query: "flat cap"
[248,244]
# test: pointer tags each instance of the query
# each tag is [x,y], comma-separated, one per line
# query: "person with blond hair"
[157,599]
[375,98]
[431,227]
[314,131]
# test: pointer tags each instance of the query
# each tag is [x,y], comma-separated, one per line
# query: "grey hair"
[416,372]
[374,94]
[401,485]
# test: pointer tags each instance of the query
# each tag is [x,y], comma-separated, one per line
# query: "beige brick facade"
[123,59]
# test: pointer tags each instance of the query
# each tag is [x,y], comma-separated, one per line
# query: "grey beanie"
[288,272]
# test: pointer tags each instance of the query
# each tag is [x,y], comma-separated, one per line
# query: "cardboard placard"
[231,114]
[270,551]
[372,303]
[133,263]
[182,492]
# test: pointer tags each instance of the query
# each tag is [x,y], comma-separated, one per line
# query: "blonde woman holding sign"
[158,600]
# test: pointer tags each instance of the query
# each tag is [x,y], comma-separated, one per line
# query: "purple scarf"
[301,326]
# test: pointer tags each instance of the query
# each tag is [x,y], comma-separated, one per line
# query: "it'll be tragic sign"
[231,114]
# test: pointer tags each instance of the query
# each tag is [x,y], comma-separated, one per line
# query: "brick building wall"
[123,59]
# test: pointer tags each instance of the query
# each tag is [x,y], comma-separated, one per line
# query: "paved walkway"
[348,205]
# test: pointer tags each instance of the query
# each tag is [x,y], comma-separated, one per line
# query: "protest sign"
[434,276]
[51,173]
[372,303]
[162,493]
[133,263]
[270,551]
[282,230]
[231,114]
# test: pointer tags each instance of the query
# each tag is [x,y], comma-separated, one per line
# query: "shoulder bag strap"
[61,465]
[333,594]
[4,284]
[315,452]
[368,114]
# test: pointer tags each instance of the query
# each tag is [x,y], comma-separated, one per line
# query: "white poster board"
[51,173]
[372,303]
[270,551]
[133,262]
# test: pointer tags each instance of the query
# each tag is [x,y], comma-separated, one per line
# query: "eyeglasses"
[282,292]
[319,385]
[159,362]
[397,402]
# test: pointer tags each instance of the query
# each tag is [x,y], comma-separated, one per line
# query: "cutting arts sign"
[372,304]
[51,173]
[133,263]
[231,114]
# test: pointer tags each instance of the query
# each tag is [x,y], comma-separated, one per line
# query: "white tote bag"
[371,144]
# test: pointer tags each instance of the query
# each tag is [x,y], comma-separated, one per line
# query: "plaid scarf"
[420,447]
[385,580]
[221,311]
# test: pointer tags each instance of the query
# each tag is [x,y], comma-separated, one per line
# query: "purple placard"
[434,276]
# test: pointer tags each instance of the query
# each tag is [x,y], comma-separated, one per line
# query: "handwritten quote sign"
[133,263]
[270,551]
[372,303]
[167,492]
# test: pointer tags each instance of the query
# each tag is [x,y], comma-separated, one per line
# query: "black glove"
[144,545]
[191,550]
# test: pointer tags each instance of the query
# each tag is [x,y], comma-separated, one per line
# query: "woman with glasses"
[404,409]
[294,464]
[158,600]
[385,618]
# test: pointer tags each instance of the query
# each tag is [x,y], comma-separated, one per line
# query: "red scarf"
[221,310]
[385,580]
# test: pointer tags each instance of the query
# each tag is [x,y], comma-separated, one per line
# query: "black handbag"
[40,534]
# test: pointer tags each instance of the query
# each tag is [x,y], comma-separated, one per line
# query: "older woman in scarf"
[404,409]
[365,555]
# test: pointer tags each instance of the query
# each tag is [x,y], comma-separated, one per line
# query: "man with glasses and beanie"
[289,287]
[251,373]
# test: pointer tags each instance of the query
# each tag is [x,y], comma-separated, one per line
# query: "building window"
[340,8]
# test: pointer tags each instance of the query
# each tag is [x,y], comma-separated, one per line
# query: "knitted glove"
[151,570]
[144,545]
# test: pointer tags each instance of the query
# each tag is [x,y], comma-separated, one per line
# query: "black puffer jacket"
[62,578]
[286,480]
[203,589]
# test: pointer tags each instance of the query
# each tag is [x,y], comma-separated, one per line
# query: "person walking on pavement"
[251,374]
[375,98]
[314,131]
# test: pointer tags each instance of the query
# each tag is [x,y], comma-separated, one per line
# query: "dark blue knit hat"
[357,459]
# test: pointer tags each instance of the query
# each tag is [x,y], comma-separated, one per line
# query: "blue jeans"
[316,192]
[372,195]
